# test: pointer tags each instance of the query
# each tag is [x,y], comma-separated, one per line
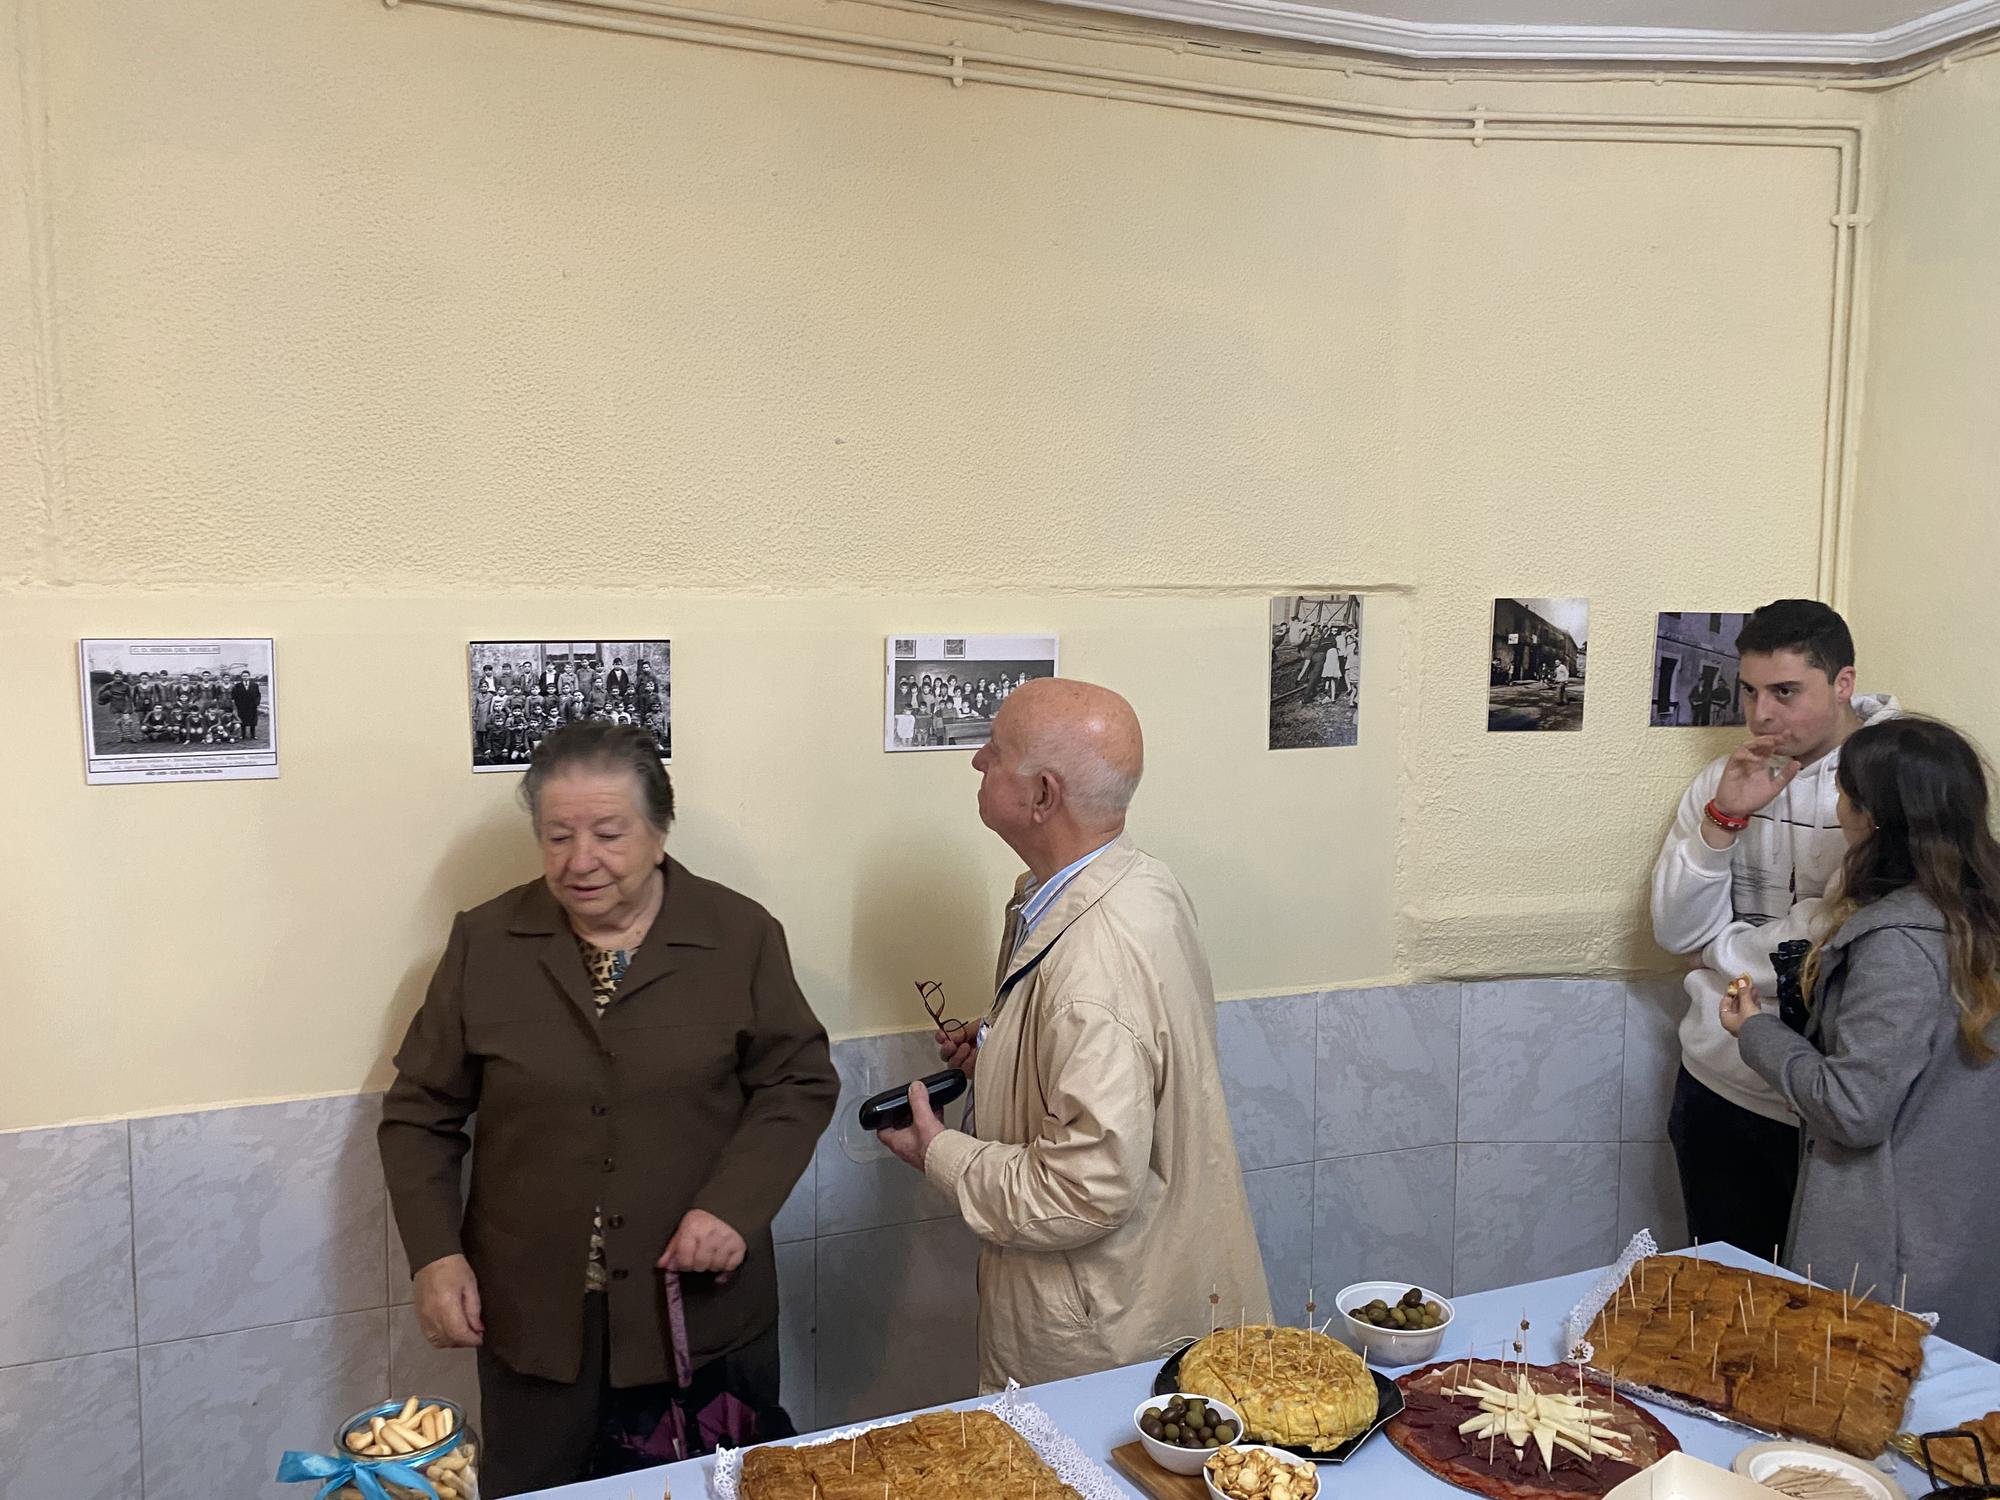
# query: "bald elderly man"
[1100,1170]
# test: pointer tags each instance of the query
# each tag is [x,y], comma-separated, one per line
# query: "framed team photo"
[943,690]
[521,690]
[178,710]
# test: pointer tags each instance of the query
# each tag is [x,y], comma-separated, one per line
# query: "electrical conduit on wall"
[958,65]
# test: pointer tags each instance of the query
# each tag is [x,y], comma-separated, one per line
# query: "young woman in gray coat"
[1895,1077]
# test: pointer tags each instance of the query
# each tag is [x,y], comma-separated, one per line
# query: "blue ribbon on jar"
[370,1475]
[365,1474]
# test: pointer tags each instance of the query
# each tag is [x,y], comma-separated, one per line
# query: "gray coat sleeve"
[1885,1033]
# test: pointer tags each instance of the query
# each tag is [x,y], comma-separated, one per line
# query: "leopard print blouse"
[606,968]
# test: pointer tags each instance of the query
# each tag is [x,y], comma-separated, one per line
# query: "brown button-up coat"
[704,1084]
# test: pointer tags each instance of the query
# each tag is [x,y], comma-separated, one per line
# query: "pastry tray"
[1052,1446]
[1579,1348]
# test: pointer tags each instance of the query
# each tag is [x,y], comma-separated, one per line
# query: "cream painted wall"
[1925,605]
[1616,411]
[284,930]
[382,330]
[25,483]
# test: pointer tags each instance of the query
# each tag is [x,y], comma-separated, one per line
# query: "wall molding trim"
[1295,20]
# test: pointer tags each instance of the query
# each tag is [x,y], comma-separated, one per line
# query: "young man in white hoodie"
[1746,867]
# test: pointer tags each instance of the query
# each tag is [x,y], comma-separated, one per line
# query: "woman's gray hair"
[595,745]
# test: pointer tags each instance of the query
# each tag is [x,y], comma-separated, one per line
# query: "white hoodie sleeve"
[1746,947]
[1692,885]
[1693,900]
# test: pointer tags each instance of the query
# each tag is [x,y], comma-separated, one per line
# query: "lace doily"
[1576,1348]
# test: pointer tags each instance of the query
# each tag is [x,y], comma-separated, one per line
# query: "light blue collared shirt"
[1035,903]
[1038,899]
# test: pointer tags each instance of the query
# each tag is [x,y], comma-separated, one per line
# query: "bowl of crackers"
[1251,1471]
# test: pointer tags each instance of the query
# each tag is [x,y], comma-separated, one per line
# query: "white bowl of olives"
[1392,1322]
[1181,1431]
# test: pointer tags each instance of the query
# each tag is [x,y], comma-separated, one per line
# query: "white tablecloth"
[1096,1410]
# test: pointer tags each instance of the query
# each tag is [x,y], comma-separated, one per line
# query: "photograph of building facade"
[1695,668]
[1536,672]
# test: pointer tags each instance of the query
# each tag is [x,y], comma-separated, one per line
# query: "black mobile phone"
[890,1109]
[1788,963]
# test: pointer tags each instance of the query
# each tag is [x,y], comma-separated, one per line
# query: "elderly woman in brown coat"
[648,1084]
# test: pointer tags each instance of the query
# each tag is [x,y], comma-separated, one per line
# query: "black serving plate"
[1388,1402]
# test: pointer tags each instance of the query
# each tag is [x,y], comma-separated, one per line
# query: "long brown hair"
[1928,793]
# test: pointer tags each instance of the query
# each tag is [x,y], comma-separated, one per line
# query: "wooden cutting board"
[1137,1465]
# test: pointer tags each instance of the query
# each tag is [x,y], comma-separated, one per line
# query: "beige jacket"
[1103,1175]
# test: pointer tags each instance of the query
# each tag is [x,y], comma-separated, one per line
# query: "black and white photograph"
[523,689]
[1315,671]
[1536,677]
[1695,669]
[178,710]
[943,690]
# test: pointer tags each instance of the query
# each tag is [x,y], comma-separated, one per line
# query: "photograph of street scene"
[1536,677]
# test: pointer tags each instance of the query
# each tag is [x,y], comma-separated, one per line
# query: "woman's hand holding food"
[1739,1003]
[704,1243]
[448,1304]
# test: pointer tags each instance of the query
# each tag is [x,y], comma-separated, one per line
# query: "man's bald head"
[1085,736]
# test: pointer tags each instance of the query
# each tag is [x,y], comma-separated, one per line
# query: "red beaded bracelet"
[1722,819]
